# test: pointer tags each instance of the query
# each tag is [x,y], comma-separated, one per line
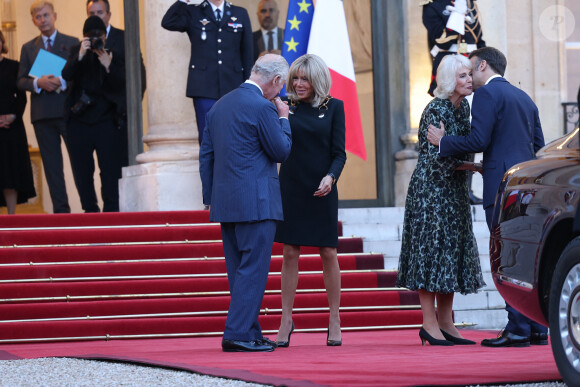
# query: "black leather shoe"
[474,199]
[245,346]
[539,338]
[267,341]
[507,339]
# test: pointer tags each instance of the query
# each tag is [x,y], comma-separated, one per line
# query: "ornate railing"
[571,116]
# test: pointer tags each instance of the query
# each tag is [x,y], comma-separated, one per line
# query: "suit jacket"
[243,140]
[260,45]
[116,43]
[505,126]
[44,105]
[221,53]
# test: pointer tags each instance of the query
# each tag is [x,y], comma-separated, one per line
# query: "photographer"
[96,99]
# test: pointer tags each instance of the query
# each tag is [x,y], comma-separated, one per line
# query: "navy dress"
[317,150]
[15,167]
[439,252]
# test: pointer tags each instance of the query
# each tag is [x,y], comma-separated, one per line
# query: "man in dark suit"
[245,136]
[116,42]
[506,127]
[47,99]
[98,84]
[270,38]
[221,50]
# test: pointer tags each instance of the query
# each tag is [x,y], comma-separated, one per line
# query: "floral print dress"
[439,252]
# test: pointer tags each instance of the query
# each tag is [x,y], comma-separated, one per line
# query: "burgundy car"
[535,246]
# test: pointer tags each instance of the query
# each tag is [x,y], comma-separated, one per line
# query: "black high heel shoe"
[332,343]
[286,344]
[456,340]
[432,341]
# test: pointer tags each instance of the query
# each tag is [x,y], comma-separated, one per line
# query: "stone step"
[389,215]
[493,319]
[393,248]
[392,263]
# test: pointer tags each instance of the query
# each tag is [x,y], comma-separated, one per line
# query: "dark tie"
[270,40]
[218,15]
[48,45]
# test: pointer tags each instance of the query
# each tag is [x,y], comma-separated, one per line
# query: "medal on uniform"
[203,34]
[462,48]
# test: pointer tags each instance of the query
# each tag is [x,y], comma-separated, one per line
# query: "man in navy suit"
[222,50]
[246,134]
[270,37]
[506,127]
[47,99]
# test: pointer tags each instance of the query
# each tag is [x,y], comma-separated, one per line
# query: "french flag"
[329,40]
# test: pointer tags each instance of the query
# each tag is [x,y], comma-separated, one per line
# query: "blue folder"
[47,63]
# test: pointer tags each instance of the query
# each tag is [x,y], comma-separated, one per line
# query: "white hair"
[267,67]
[447,74]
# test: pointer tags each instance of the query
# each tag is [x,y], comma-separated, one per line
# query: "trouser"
[48,135]
[106,140]
[202,106]
[248,251]
[521,325]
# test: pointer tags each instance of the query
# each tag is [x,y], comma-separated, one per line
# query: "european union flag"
[297,29]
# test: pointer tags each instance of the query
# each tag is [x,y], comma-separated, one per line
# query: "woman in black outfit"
[308,184]
[16,181]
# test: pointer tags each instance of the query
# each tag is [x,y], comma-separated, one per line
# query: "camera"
[97,43]
[82,104]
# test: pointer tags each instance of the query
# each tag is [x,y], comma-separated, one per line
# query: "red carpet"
[371,358]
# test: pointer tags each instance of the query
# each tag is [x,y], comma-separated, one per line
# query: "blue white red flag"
[329,40]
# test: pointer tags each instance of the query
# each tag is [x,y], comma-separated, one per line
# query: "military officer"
[222,50]
[443,41]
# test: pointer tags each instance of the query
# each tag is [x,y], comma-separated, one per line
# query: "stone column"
[167,175]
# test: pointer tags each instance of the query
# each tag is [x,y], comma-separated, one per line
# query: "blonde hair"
[447,74]
[39,4]
[317,73]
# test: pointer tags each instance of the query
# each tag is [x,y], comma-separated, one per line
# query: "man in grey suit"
[269,38]
[47,99]
[246,134]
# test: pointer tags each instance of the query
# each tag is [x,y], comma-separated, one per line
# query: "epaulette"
[425,2]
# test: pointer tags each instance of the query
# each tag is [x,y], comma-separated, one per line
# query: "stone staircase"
[381,230]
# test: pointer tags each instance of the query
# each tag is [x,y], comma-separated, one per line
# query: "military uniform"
[443,41]
[222,52]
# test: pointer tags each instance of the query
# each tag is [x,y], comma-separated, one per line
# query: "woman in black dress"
[16,181]
[308,184]
[439,253]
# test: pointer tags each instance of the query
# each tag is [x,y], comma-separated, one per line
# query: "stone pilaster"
[167,175]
